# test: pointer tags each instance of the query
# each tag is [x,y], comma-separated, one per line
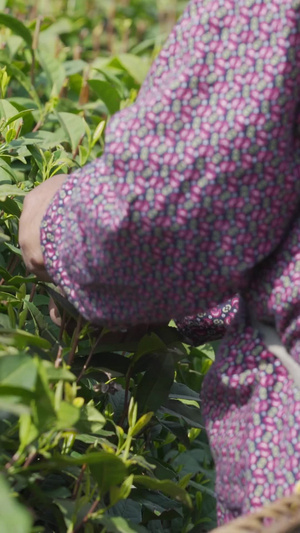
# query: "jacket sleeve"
[209,326]
[198,181]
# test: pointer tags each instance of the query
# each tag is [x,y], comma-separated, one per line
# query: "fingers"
[54,313]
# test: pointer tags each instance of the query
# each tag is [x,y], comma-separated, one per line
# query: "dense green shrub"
[100,430]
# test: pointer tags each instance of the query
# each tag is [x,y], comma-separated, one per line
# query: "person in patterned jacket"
[196,199]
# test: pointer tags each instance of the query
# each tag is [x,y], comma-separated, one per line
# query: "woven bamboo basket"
[283,516]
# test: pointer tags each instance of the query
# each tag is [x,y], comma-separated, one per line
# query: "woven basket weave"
[283,516]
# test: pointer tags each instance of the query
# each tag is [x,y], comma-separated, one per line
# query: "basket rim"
[284,514]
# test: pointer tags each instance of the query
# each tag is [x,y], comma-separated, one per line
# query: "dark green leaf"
[10,207]
[17,27]
[107,469]
[179,390]
[166,486]
[155,385]
[191,415]
[112,362]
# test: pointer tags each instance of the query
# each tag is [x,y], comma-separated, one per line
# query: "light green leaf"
[108,471]
[6,172]
[11,247]
[166,486]
[8,112]
[137,67]
[24,80]
[19,115]
[27,431]
[74,66]
[18,371]
[43,139]
[13,517]
[53,69]
[23,339]
[15,405]
[57,374]
[107,93]
[74,126]
[10,190]
[120,525]
[141,423]
[91,420]
[67,416]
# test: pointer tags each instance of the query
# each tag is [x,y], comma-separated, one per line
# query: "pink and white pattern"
[195,199]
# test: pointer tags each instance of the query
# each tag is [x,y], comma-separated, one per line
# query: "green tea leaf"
[74,127]
[10,190]
[10,207]
[166,486]
[120,525]
[53,68]
[136,66]
[40,322]
[113,362]
[13,517]
[191,415]
[19,115]
[90,421]
[107,93]
[153,390]
[149,343]
[23,339]
[179,390]
[108,471]
[141,423]
[17,27]
[57,374]
[67,416]
[27,431]
[16,73]
[19,371]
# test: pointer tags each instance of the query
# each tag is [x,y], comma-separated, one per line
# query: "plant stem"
[31,457]
[79,481]
[86,364]
[75,341]
[32,292]
[126,402]
[87,516]
[35,43]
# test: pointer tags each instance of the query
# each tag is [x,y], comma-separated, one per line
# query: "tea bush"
[99,430]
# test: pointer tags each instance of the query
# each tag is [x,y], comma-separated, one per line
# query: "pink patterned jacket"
[195,199]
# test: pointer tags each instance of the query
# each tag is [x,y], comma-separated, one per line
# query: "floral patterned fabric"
[209,326]
[195,199]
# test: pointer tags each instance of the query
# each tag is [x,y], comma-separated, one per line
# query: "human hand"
[34,208]
[54,313]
